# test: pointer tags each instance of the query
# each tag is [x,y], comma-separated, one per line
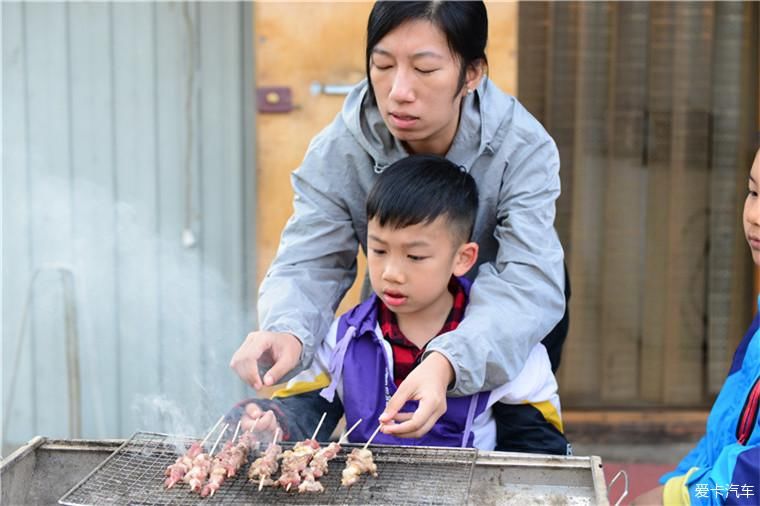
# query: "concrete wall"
[128,182]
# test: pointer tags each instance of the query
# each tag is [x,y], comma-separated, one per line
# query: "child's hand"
[427,383]
[265,421]
[280,349]
[650,498]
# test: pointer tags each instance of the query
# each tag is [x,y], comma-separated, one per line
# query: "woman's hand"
[280,349]
[427,383]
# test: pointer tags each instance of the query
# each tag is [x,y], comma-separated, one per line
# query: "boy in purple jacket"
[420,216]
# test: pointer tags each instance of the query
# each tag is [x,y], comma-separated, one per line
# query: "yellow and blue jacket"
[724,467]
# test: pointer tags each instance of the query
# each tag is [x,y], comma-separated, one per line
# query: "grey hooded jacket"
[517,295]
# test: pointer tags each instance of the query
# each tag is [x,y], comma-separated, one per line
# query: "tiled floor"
[645,445]
[643,463]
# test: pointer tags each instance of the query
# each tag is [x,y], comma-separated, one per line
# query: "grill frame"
[133,474]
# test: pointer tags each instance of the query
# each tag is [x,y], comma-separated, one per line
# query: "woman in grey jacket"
[426,92]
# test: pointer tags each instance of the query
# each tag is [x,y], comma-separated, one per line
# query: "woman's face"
[752,211]
[415,77]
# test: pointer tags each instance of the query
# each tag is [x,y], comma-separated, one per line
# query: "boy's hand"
[427,383]
[267,421]
[280,349]
[650,498]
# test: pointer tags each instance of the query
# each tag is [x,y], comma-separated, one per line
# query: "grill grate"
[134,474]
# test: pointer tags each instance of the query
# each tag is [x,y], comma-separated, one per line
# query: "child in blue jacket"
[724,467]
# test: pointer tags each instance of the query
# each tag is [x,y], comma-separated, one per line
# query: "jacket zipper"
[749,414]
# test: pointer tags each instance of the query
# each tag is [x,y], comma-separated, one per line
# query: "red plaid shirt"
[406,354]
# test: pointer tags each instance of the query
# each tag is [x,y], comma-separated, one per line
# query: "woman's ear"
[465,258]
[473,75]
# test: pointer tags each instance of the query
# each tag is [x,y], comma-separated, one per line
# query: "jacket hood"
[483,124]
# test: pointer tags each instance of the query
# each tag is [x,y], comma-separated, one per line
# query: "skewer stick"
[213,429]
[344,437]
[287,489]
[274,441]
[372,437]
[218,439]
[234,436]
[320,425]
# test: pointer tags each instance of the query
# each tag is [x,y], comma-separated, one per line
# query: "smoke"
[164,415]
[156,321]
[158,411]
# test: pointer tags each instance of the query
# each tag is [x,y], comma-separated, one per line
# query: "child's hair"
[419,189]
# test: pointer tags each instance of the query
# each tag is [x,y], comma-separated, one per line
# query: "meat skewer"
[359,462]
[233,459]
[177,471]
[182,465]
[309,482]
[228,461]
[266,465]
[235,454]
[318,465]
[249,440]
[295,461]
[219,468]
[201,466]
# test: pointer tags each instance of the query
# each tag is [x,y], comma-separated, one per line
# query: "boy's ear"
[465,258]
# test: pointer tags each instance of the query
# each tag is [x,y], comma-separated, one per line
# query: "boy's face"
[752,210]
[410,267]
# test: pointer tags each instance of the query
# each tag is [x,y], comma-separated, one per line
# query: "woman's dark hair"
[465,25]
[419,189]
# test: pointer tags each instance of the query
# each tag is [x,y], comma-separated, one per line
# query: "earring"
[469,91]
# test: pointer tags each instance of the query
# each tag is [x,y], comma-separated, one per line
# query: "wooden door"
[297,44]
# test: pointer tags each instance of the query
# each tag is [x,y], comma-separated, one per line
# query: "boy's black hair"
[465,25]
[419,189]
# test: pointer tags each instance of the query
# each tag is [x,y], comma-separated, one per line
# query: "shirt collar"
[389,323]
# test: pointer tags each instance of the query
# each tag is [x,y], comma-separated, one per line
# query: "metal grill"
[134,474]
